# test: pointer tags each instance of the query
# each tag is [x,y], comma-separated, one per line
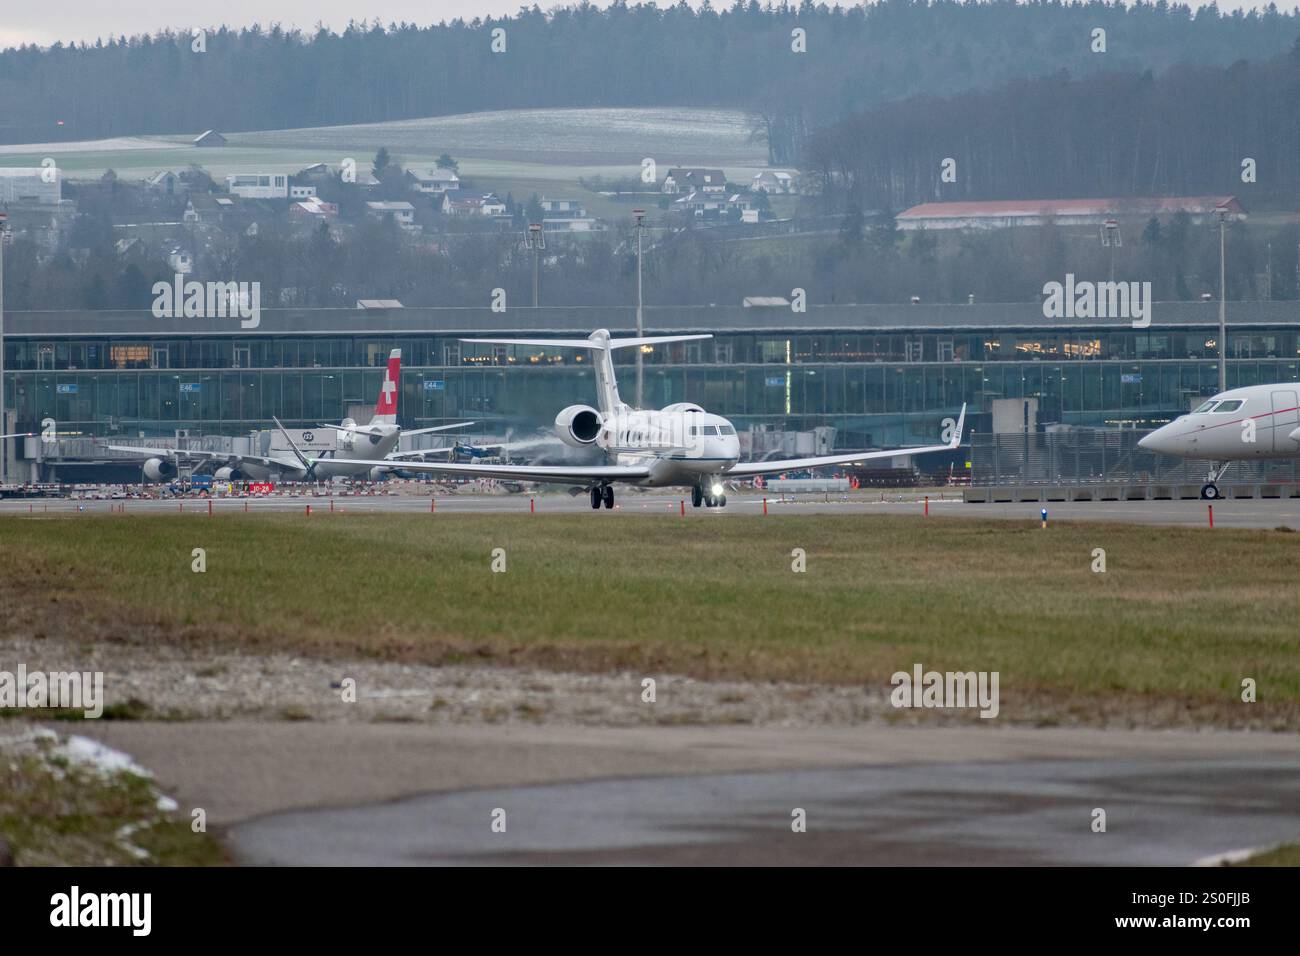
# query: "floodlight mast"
[639,215]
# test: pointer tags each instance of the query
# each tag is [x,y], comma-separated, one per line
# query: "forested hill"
[1193,130]
[641,55]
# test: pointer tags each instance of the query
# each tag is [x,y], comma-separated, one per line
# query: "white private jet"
[680,445]
[1241,424]
[362,450]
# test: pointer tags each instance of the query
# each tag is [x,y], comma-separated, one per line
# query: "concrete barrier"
[1016,494]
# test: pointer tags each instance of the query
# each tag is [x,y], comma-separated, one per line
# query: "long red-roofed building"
[1004,213]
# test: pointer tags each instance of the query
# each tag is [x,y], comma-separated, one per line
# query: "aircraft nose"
[1295,435]
[1159,440]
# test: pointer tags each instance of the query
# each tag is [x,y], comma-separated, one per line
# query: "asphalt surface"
[1025,813]
[317,793]
[1238,513]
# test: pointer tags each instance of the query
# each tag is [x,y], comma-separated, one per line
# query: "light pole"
[1222,213]
[639,215]
[1110,237]
[535,241]
[4,421]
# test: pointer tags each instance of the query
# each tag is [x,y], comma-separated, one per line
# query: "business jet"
[368,451]
[1242,424]
[679,445]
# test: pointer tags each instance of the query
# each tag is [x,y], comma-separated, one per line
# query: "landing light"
[717,489]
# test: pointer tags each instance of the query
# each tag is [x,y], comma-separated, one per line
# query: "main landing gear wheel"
[1210,492]
[697,496]
[596,497]
[609,497]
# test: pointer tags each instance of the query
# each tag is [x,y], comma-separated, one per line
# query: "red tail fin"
[386,407]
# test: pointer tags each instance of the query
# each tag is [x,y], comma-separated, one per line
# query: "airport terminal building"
[881,375]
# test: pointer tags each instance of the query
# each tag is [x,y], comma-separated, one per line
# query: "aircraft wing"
[367,430]
[745,469]
[560,474]
[464,448]
[144,452]
[435,428]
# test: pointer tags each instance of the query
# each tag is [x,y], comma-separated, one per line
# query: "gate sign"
[67,389]
[431,385]
[191,386]
[776,382]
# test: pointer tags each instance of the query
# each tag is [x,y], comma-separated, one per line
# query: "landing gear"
[609,497]
[1210,490]
[697,496]
[602,494]
[596,497]
[710,500]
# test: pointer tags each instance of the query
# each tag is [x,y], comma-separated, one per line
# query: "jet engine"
[379,474]
[229,473]
[578,425]
[159,469]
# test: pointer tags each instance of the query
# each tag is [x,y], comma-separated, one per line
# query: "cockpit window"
[727,429]
[1206,407]
[710,429]
[1231,406]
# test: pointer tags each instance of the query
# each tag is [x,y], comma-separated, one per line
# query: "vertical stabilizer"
[606,384]
[386,406]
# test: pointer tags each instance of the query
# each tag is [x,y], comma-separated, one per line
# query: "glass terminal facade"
[882,375]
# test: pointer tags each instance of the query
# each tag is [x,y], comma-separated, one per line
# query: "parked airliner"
[1241,424]
[680,445]
[361,450]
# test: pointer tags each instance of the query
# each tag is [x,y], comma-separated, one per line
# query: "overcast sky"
[67,20]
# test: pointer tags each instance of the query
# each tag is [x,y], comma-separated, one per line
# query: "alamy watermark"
[208,300]
[950,689]
[71,690]
[1098,300]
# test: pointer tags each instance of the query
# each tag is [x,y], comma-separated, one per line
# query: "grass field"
[545,150]
[1176,622]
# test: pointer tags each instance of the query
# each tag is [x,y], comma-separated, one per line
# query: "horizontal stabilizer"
[592,343]
[557,343]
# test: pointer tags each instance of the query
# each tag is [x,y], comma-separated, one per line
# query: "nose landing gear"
[1210,490]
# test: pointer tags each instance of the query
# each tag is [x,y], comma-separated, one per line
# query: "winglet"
[955,441]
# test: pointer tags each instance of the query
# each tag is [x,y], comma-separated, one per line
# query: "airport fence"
[1100,456]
